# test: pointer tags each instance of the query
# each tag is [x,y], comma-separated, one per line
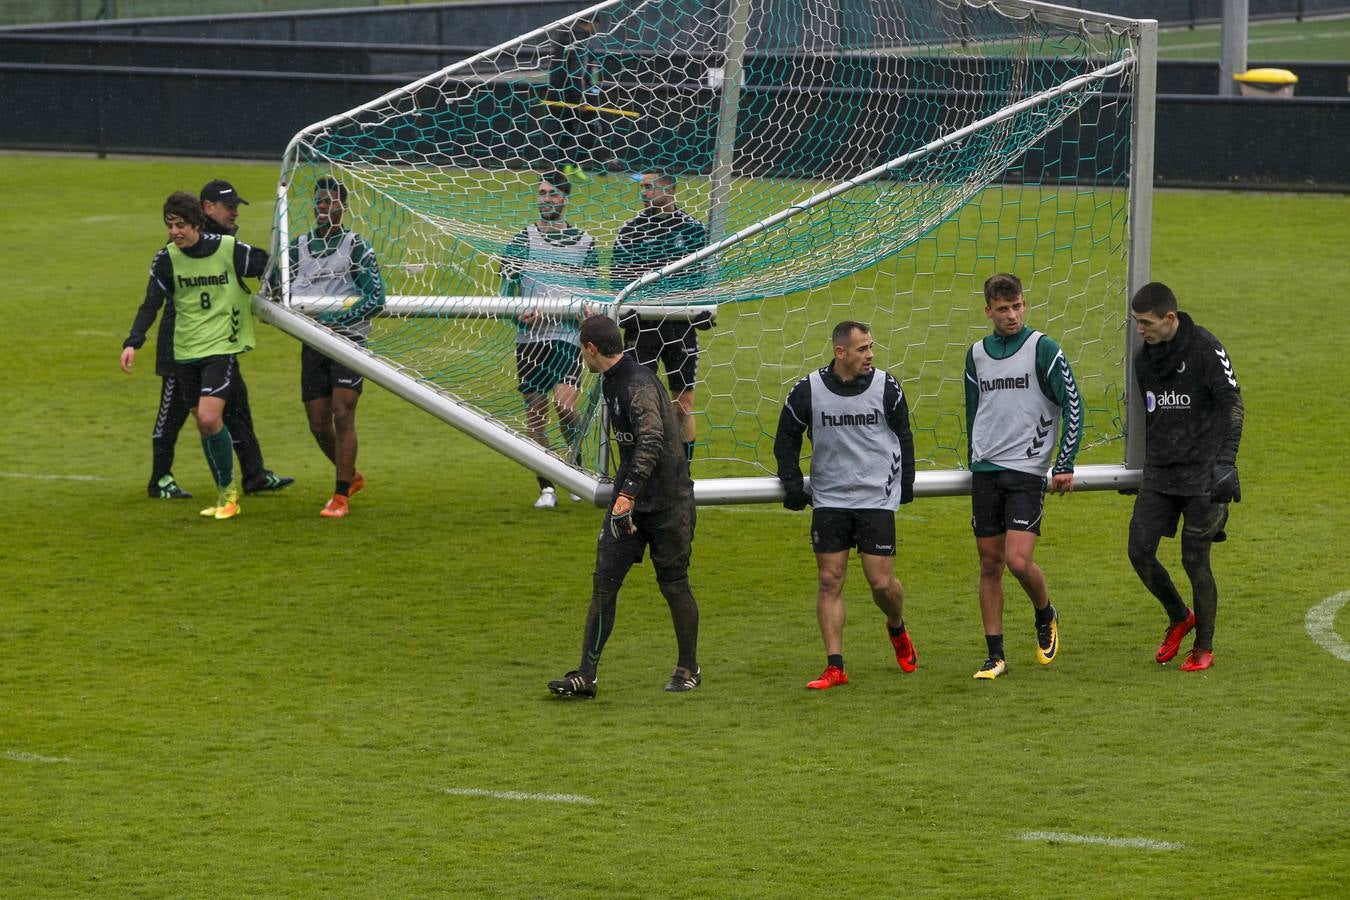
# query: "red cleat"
[1171,641]
[831,677]
[358,482]
[1198,660]
[905,654]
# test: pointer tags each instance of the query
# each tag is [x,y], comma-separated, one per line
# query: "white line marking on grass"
[1321,625]
[41,477]
[521,795]
[1064,837]
[20,756]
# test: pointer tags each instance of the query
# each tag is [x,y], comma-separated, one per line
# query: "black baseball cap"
[220,191]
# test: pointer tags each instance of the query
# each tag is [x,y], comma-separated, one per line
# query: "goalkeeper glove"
[704,319]
[1225,487]
[796,497]
[621,517]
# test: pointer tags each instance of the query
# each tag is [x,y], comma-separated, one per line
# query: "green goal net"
[872,160]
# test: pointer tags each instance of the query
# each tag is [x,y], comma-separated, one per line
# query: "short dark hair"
[1002,286]
[186,207]
[558,180]
[844,329]
[332,186]
[663,177]
[1154,297]
[603,332]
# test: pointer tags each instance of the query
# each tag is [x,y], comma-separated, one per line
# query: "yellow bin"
[1266,83]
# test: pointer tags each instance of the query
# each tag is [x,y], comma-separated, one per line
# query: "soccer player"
[652,508]
[1193,415]
[862,471]
[549,259]
[334,261]
[1018,384]
[201,274]
[220,201]
[657,236]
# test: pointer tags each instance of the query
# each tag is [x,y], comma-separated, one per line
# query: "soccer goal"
[872,160]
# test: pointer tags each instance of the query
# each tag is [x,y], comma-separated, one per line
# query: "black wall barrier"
[1286,143]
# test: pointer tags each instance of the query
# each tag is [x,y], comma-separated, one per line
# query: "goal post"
[861,159]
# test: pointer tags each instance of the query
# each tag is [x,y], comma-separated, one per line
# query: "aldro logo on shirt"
[1166,400]
[850,419]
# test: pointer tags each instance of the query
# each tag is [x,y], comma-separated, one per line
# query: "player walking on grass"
[201,274]
[1018,384]
[220,201]
[657,236]
[653,508]
[549,258]
[1193,415]
[334,261]
[862,471]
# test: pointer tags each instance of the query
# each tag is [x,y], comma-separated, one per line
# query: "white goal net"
[872,160]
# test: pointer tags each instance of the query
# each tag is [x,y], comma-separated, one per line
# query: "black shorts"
[210,376]
[543,365]
[1006,501]
[673,344]
[669,533]
[319,376]
[834,530]
[1156,515]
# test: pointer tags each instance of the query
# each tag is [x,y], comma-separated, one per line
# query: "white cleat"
[548,498]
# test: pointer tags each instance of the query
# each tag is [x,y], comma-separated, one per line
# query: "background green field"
[284,705]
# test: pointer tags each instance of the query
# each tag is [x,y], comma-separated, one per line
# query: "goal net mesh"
[872,160]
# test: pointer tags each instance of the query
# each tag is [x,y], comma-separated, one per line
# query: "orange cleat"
[336,508]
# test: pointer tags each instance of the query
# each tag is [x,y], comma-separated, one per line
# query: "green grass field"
[1312,40]
[283,705]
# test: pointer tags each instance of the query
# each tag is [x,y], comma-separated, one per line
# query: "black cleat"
[167,489]
[574,684]
[683,680]
[267,481]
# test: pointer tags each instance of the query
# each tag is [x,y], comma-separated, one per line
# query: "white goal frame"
[290,314]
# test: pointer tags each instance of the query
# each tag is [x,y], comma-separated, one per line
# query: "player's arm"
[366,275]
[1222,381]
[156,293]
[1056,380]
[897,417]
[249,261]
[644,412]
[972,384]
[793,422]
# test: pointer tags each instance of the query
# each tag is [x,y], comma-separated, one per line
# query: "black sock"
[995,642]
[895,630]
[543,482]
[836,660]
[344,488]
[1043,616]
